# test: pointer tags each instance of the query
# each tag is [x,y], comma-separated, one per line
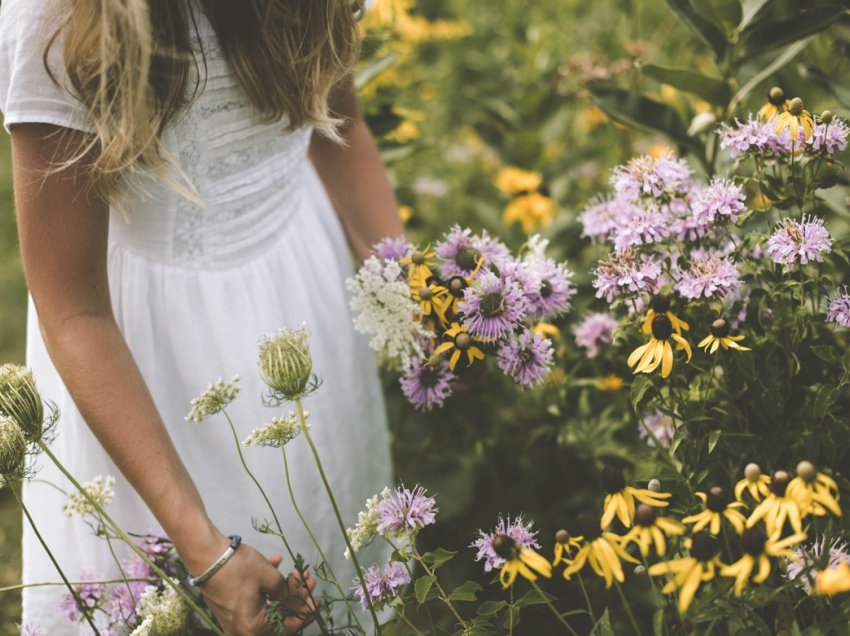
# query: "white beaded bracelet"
[235,541]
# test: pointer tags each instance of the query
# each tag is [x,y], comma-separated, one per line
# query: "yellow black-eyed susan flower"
[780,506]
[603,550]
[659,351]
[717,506]
[532,211]
[718,336]
[650,529]
[610,382]
[688,572]
[620,500]
[833,580]
[419,264]
[819,490]
[565,543]
[512,180]
[758,549]
[519,560]
[776,104]
[794,118]
[754,482]
[432,297]
[459,342]
[660,304]
[546,330]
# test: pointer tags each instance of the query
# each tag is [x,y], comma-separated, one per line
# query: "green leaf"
[603,625]
[422,587]
[766,36]
[438,557]
[706,31]
[825,398]
[711,89]
[491,608]
[640,386]
[751,10]
[533,598]
[467,591]
[658,622]
[828,354]
[779,61]
[713,438]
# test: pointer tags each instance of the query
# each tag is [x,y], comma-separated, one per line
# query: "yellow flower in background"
[611,382]
[794,118]
[717,507]
[459,342]
[658,150]
[834,580]
[383,13]
[754,483]
[602,550]
[689,572]
[780,506]
[591,117]
[406,131]
[564,546]
[405,213]
[658,351]
[718,336]
[546,330]
[519,560]
[620,500]
[757,549]
[660,305]
[776,104]
[819,490]
[512,180]
[533,211]
[651,530]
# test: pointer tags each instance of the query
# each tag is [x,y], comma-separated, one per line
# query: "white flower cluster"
[385,310]
[98,493]
[214,399]
[366,529]
[279,432]
[535,249]
[162,613]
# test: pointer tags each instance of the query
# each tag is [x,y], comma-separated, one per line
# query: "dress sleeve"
[27,92]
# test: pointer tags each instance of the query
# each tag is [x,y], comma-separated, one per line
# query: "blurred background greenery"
[456,90]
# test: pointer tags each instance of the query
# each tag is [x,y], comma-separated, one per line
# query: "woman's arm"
[355,178]
[63,235]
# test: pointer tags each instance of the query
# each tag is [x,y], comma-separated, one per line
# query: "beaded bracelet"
[235,541]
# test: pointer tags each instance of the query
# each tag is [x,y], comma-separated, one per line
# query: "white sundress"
[193,290]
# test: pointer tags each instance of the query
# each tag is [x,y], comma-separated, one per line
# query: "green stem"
[511,613]
[309,438]
[23,586]
[132,544]
[411,625]
[315,542]
[586,598]
[628,608]
[440,590]
[557,614]
[80,605]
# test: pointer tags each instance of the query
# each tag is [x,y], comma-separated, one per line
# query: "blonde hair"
[130,62]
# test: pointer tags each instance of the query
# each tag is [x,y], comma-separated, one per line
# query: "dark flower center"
[660,304]
[795,107]
[779,483]
[467,258]
[587,526]
[662,328]
[752,541]
[429,377]
[456,285]
[704,546]
[492,305]
[418,257]
[505,547]
[425,293]
[613,480]
[546,289]
[719,328]
[776,96]
[562,537]
[716,499]
[463,341]
[645,515]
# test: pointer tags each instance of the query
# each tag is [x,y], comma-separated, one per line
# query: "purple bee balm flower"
[90,595]
[839,308]
[646,176]
[709,276]
[517,530]
[461,251]
[406,511]
[603,216]
[393,249]
[382,587]
[595,332]
[493,307]
[802,566]
[642,227]
[799,241]
[526,358]
[525,274]
[757,137]
[721,201]
[627,273]
[32,630]
[829,139]
[551,298]
[657,427]
[427,384]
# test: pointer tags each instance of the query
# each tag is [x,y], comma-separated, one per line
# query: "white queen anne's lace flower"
[367,523]
[279,432]
[162,612]
[98,493]
[217,396]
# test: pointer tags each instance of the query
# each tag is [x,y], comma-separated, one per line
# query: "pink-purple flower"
[646,176]
[603,216]
[90,595]
[757,137]
[382,586]
[720,202]
[493,307]
[526,358]
[461,251]
[807,561]
[839,308]
[830,138]
[803,241]
[406,512]
[551,297]
[517,530]
[627,273]
[709,276]
[427,383]
[393,249]
[32,630]
[644,226]
[595,332]
[659,428]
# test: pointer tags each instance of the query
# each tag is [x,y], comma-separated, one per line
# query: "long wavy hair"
[131,63]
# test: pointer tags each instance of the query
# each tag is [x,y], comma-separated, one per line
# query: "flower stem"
[628,608]
[552,607]
[411,625]
[135,548]
[586,598]
[309,438]
[440,590]
[80,605]
[511,613]
[23,586]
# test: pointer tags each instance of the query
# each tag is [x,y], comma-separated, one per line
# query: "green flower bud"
[20,400]
[826,117]
[13,449]
[285,362]
[796,107]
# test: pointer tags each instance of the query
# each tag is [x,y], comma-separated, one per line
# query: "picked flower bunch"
[435,312]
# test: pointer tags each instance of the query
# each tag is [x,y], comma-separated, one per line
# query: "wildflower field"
[614,338]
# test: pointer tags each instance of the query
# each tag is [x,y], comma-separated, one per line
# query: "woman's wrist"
[198,543]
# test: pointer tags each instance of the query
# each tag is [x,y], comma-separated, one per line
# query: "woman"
[169,216]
